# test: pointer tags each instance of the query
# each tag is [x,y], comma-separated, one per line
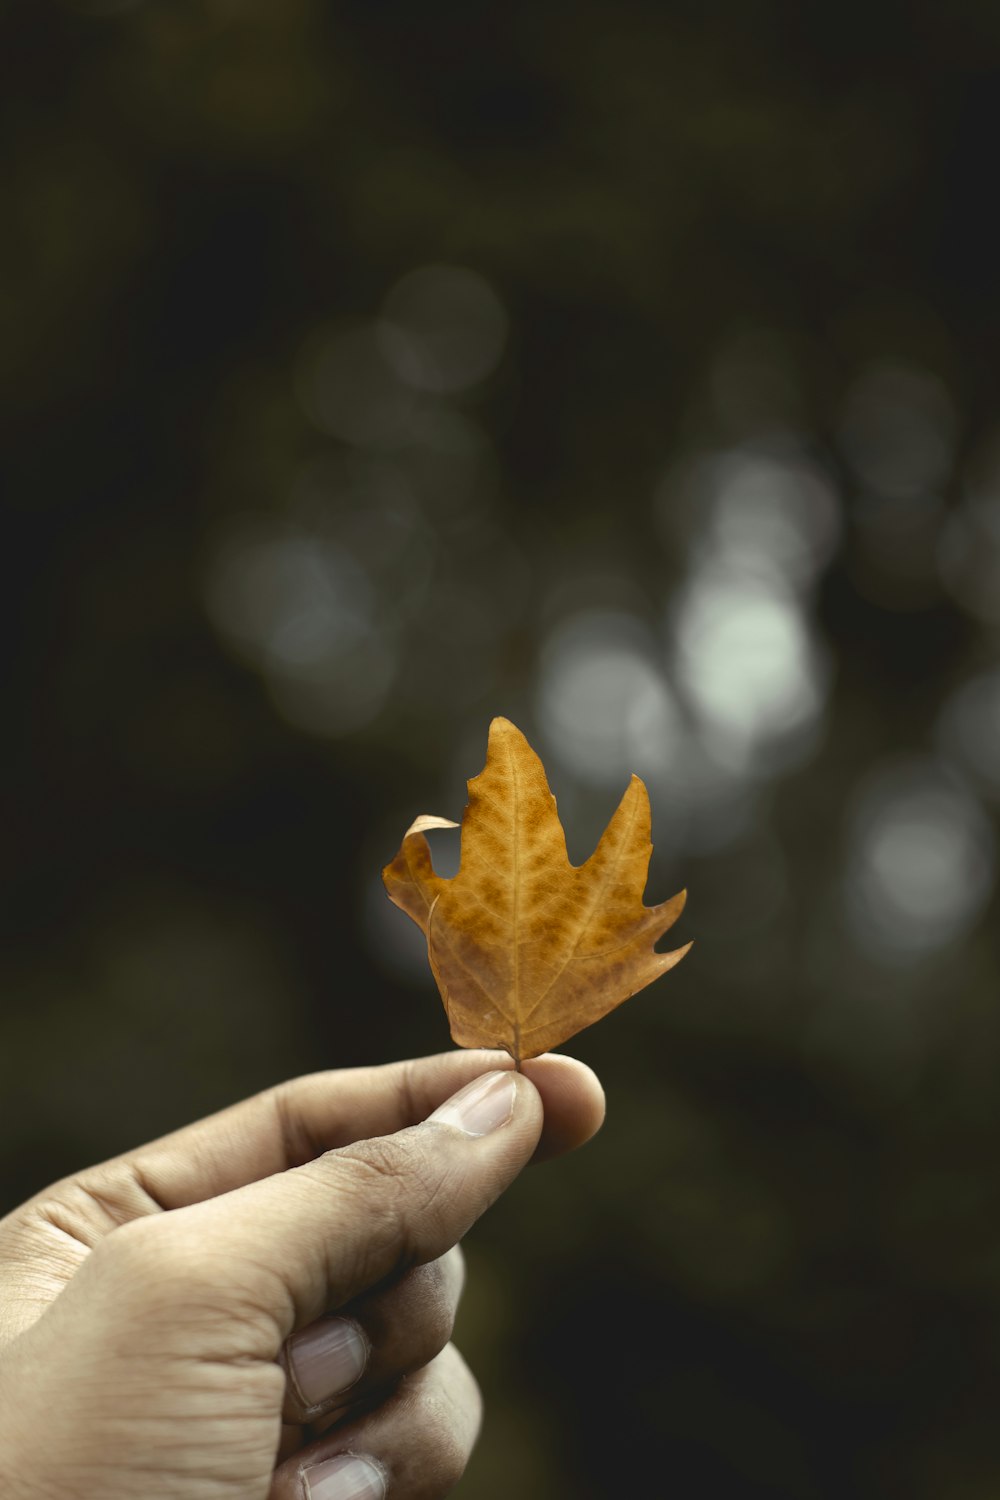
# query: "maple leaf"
[528,949]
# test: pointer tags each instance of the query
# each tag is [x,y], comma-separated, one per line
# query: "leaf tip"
[670,960]
[427,821]
[637,794]
[503,728]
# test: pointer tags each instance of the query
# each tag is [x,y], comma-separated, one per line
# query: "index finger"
[297,1121]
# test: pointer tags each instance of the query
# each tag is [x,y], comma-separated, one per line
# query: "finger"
[250,1141]
[573,1100]
[299,1120]
[274,1255]
[374,1341]
[415,1446]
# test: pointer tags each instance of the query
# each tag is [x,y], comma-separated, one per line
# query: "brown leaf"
[526,948]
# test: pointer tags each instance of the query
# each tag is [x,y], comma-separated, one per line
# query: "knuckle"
[384,1160]
[132,1266]
[403,1191]
[453,1272]
[134,1251]
[87,1209]
[149,1252]
[451,1416]
[434,1294]
[299,1143]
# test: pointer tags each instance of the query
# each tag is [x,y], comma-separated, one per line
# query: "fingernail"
[326,1358]
[344,1478]
[482,1106]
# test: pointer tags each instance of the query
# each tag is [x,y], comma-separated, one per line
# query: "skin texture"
[151,1307]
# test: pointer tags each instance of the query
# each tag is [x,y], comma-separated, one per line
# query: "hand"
[230,1312]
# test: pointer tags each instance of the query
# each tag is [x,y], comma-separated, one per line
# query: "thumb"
[310,1239]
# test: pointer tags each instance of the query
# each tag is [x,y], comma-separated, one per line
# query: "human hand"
[163,1316]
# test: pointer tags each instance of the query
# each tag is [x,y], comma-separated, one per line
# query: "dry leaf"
[526,948]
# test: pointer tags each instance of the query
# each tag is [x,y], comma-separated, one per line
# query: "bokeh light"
[749,666]
[968,731]
[969,550]
[898,430]
[365,505]
[451,464]
[352,392]
[442,329]
[304,611]
[603,702]
[769,510]
[921,861]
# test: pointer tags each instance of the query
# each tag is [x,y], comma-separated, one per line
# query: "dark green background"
[777,1271]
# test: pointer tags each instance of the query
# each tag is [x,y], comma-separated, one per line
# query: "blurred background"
[629,369]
